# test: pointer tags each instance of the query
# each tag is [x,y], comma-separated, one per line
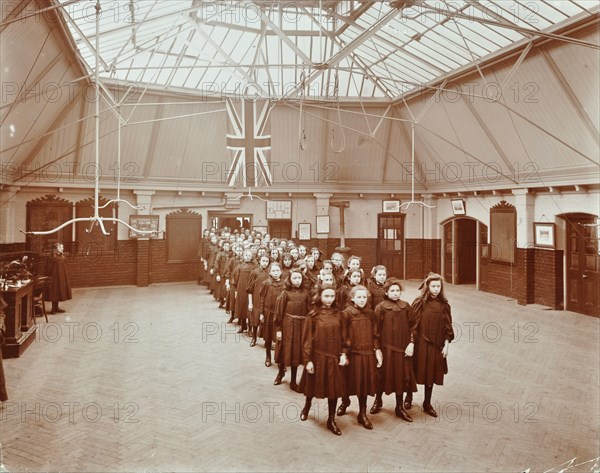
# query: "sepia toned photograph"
[300,236]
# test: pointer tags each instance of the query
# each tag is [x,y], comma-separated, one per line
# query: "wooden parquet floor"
[153,379]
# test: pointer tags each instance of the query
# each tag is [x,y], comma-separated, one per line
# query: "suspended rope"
[406,205]
[96,219]
[336,98]
[118,199]
[302,120]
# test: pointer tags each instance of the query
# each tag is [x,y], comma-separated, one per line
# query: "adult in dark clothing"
[59,289]
[3,392]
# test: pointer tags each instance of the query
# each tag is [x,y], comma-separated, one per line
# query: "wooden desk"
[20,320]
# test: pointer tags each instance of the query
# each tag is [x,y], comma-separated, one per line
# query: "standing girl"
[290,316]
[362,339]
[396,333]
[269,292]
[434,334]
[239,282]
[324,355]
[353,278]
[255,280]
[338,268]
[376,282]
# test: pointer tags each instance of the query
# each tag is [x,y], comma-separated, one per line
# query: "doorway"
[390,243]
[231,221]
[460,259]
[582,263]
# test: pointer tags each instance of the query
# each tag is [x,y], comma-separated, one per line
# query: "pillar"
[8,209]
[322,209]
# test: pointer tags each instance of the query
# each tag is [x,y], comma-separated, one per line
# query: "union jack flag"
[250,142]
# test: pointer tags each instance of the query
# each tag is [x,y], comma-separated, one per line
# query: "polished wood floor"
[153,379]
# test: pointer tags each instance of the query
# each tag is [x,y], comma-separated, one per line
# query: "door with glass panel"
[583,264]
[390,243]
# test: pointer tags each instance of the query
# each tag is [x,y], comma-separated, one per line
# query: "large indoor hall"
[163,383]
[310,235]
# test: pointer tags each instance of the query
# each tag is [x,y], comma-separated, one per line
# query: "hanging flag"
[249,142]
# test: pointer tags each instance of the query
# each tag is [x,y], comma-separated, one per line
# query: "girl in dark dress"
[60,288]
[290,316]
[269,292]
[221,262]
[376,282]
[433,321]
[287,261]
[212,253]
[324,355]
[239,282]
[316,253]
[362,340]
[255,280]
[354,278]
[396,334]
[311,271]
[338,268]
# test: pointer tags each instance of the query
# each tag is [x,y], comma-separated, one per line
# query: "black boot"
[253,341]
[400,412]
[268,357]
[362,413]
[377,404]
[408,401]
[293,385]
[343,406]
[427,407]
[280,375]
[306,409]
[331,425]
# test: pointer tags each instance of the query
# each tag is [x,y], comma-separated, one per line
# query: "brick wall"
[535,278]
[422,257]
[498,278]
[548,278]
[104,268]
[161,271]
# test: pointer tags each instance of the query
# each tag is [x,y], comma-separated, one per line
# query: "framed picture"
[261,228]
[322,223]
[458,207]
[144,223]
[279,209]
[304,231]
[392,206]
[543,234]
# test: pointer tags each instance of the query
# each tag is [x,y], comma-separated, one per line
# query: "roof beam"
[279,32]
[487,132]
[577,105]
[226,56]
[335,59]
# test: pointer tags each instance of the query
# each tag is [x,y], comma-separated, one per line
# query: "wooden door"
[465,249]
[390,243]
[583,264]
[449,252]
[280,229]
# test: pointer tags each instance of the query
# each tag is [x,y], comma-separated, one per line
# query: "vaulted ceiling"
[499,94]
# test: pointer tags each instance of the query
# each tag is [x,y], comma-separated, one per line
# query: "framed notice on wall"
[322,223]
[304,231]
[279,209]
[144,223]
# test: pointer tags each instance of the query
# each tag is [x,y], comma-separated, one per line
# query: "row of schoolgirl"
[359,339]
